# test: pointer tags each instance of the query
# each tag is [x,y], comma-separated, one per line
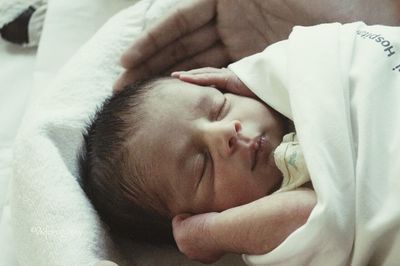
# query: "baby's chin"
[276,186]
[272,175]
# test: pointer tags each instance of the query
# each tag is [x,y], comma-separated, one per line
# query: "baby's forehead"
[166,82]
[178,94]
[166,85]
[163,89]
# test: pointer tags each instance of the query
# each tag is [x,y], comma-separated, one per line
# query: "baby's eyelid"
[204,168]
[208,162]
[221,110]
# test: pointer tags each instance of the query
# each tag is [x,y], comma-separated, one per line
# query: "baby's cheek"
[231,194]
[275,179]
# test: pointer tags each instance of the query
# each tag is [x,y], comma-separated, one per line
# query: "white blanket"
[341,86]
[53,221]
[15,62]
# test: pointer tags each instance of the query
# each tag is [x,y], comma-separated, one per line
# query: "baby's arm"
[254,228]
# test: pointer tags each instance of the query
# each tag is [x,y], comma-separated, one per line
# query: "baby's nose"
[226,137]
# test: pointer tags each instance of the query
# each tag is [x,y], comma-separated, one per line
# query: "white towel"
[53,222]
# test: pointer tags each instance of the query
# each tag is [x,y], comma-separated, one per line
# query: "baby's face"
[209,151]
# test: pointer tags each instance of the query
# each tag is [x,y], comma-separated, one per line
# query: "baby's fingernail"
[176,74]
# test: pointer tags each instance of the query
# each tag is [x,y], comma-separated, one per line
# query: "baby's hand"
[194,238]
[221,78]
[254,228]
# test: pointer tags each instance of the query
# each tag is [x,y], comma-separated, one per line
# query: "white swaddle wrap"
[341,86]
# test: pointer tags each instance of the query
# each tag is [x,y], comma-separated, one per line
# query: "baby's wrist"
[214,231]
[225,233]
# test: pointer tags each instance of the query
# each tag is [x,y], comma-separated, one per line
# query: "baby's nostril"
[232,142]
[238,126]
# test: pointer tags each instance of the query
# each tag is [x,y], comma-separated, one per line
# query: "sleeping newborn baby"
[176,160]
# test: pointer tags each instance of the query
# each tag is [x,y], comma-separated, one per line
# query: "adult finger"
[216,56]
[177,24]
[181,49]
[130,76]
[159,63]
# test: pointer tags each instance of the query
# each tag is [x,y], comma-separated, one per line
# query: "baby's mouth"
[260,146]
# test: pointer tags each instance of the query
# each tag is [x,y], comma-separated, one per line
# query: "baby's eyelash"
[205,161]
[220,110]
[203,168]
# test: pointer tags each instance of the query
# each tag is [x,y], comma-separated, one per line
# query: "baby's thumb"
[178,219]
[181,232]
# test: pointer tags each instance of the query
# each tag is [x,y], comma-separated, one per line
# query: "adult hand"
[214,33]
[222,31]
[194,238]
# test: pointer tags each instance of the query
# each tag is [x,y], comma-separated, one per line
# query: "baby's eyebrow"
[202,104]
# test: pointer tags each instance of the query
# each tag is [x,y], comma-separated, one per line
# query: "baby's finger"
[203,70]
[198,71]
[219,80]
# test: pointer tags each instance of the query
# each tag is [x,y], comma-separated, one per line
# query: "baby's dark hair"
[111,178]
